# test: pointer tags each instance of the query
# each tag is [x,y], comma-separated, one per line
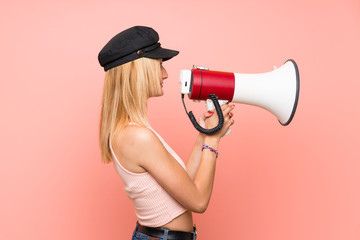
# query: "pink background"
[272,182]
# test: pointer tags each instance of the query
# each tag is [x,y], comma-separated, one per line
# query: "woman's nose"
[164,73]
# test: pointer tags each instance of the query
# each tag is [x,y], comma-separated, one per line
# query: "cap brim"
[158,53]
[161,53]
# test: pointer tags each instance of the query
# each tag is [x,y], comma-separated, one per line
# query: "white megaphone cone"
[276,91]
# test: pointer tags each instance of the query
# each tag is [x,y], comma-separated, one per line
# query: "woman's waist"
[183,222]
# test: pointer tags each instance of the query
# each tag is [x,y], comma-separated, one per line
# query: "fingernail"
[211,112]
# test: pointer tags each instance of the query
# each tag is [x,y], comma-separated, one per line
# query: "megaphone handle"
[210,107]
[211,131]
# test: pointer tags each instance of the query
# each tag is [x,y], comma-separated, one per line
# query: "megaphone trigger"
[210,106]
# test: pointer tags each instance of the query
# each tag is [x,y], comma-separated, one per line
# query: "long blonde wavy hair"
[126,90]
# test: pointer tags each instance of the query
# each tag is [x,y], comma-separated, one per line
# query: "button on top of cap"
[139,53]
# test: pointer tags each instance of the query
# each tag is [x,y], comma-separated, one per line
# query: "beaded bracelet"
[211,149]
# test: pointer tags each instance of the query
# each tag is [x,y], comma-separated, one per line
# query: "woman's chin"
[161,93]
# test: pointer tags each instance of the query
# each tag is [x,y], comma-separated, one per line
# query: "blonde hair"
[126,90]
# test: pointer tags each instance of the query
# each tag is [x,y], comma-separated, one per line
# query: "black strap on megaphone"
[211,131]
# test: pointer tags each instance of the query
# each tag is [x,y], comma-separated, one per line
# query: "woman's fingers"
[228,115]
[228,109]
[206,115]
[203,118]
[210,119]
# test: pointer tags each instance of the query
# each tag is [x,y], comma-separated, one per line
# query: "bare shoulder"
[133,145]
[133,136]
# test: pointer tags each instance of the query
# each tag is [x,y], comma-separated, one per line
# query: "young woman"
[164,190]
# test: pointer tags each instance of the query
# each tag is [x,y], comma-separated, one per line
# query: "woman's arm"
[193,162]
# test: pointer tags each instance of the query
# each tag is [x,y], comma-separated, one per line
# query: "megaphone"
[276,91]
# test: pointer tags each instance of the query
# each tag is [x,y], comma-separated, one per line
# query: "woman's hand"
[210,120]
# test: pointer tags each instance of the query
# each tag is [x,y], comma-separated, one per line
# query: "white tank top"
[154,207]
